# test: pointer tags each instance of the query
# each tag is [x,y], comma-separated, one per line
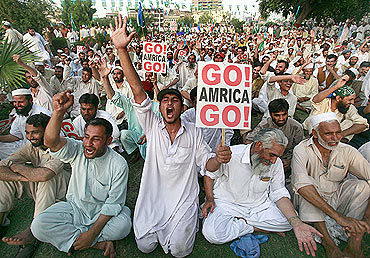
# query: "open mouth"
[89,151]
[169,112]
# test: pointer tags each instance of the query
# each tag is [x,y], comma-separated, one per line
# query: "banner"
[81,49]
[5,124]
[224,95]
[68,129]
[154,57]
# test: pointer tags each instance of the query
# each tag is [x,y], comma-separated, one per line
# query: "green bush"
[100,38]
[58,43]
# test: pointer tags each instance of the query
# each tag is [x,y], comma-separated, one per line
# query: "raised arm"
[121,40]
[295,78]
[104,73]
[52,138]
[325,93]
[19,61]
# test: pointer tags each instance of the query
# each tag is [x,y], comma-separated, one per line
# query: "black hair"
[350,74]
[38,120]
[103,122]
[87,69]
[331,56]
[278,105]
[88,98]
[285,62]
[193,93]
[257,64]
[365,64]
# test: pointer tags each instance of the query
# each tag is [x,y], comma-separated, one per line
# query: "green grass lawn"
[276,246]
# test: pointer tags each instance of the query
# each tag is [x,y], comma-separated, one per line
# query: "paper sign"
[68,129]
[81,49]
[224,95]
[182,53]
[154,57]
[173,26]
[5,124]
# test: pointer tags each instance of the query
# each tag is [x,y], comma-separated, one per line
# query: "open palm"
[119,35]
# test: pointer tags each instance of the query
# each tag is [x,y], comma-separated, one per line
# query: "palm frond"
[12,74]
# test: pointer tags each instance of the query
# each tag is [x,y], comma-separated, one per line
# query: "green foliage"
[187,20]
[100,38]
[81,10]
[206,18]
[238,25]
[339,10]
[25,14]
[12,74]
[103,21]
[58,43]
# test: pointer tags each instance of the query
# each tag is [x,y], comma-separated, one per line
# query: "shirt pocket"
[336,173]
[260,186]
[99,191]
[182,155]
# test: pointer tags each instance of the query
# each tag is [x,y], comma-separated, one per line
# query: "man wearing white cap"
[24,106]
[118,82]
[325,192]
[45,71]
[12,35]
[304,92]
[40,89]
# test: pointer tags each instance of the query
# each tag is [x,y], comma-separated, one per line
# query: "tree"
[339,10]
[187,20]
[81,10]
[238,25]
[25,14]
[206,18]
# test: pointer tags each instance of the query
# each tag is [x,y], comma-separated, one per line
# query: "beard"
[117,80]
[258,167]
[325,144]
[191,65]
[39,143]
[342,107]
[24,111]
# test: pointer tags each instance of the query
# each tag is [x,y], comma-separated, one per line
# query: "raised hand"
[17,59]
[119,35]
[223,153]
[298,79]
[102,67]
[62,101]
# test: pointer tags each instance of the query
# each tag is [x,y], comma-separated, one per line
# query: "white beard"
[258,167]
[324,144]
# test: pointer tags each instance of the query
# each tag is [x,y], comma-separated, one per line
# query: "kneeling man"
[95,213]
[250,194]
[319,176]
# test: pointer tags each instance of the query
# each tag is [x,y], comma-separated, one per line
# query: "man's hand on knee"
[353,226]
[84,240]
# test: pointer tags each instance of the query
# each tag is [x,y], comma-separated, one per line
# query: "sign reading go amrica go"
[224,95]
[154,57]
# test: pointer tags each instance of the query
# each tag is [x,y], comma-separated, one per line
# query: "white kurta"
[238,192]
[169,184]
[37,44]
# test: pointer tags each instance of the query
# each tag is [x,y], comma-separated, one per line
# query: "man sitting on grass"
[94,214]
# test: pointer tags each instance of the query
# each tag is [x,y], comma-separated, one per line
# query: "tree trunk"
[306,10]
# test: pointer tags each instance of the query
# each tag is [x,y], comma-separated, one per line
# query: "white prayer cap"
[117,67]
[309,66]
[60,51]
[39,63]
[59,65]
[317,119]
[354,55]
[6,23]
[23,91]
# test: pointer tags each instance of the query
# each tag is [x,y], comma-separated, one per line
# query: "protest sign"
[224,95]
[154,57]
[5,124]
[243,59]
[182,53]
[81,49]
[173,26]
[68,129]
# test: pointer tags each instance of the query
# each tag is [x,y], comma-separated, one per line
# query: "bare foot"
[353,253]
[335,252]
[270,232]
[108,248]
[22,238]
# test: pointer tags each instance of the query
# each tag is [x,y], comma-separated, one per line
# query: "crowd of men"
[299,168]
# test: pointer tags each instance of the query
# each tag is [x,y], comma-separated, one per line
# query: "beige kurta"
[44,193]
[308,169]
[309,89]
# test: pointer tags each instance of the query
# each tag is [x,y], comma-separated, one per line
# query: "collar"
[183,126]
[246,159]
